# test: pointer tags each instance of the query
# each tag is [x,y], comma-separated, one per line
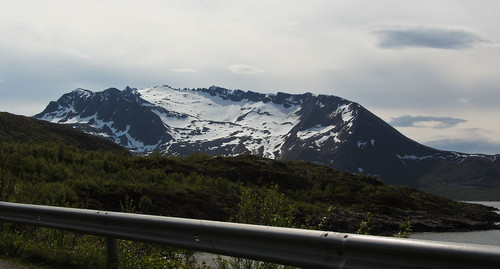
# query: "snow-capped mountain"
[323,129]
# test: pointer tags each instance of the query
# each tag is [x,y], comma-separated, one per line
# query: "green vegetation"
[52,169]
[271,208]
[243,188]
[364,227]
[404,229]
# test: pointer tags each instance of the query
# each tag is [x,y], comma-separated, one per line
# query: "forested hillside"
[43,164]
[206,187]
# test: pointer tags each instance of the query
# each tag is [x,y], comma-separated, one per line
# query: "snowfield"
[200,116]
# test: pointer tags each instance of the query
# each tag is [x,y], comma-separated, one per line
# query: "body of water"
[491,237]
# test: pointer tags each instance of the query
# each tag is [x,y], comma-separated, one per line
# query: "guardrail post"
[111,253]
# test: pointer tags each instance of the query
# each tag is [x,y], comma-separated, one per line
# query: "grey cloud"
[471,146]
[417,121]
[438,38]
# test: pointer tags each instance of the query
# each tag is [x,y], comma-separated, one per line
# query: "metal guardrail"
[296,247]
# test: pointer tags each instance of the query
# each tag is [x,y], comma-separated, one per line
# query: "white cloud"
[463,101]
[185,70]
[76,53]
[425,121]
[244,69]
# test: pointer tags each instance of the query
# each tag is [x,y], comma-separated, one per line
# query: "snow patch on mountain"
[347,114]
[365,144]
[345,110]
[315,131]
[195,116]
[57,115]
[83,93]
[413,157]
[332,135]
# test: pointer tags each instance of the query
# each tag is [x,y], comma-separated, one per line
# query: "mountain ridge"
[323,129]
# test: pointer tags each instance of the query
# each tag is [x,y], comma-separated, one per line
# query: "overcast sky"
[429,68]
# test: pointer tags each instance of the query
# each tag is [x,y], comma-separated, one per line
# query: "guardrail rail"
[295,247]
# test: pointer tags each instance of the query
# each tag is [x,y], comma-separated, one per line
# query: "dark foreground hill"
[20,129]
[200,186]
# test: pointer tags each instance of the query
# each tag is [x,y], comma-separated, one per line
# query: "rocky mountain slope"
[323,129]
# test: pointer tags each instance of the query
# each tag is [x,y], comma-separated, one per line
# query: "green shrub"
[270,207]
